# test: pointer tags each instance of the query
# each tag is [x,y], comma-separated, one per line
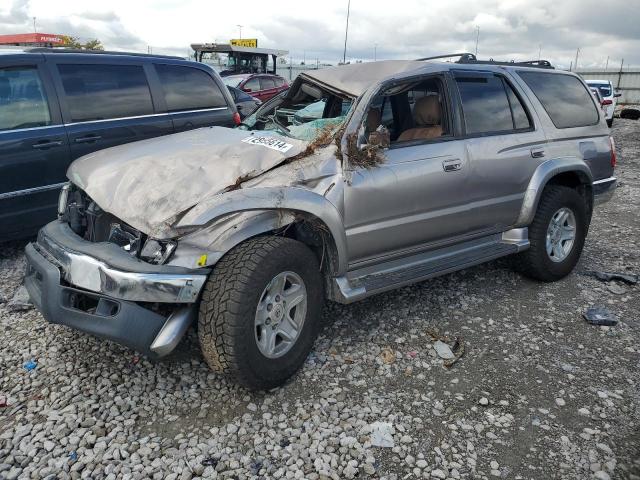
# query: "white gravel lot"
[538,394]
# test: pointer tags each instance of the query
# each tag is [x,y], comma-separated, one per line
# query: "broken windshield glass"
[302,113]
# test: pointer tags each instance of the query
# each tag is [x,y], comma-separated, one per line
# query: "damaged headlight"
[63,199]
[156,251]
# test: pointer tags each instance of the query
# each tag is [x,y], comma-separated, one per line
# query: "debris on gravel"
[539,393]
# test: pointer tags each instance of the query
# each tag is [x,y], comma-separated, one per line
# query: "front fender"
[545,172]
[272,198]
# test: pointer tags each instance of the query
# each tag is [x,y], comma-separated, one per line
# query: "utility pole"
[539,51]
[620,74]
[240,28]
[577,53]
[571,65]
[606,64]
[346,32]
[477,38]
[375,52]
[34,24]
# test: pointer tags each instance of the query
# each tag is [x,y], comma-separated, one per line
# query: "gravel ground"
[538,394]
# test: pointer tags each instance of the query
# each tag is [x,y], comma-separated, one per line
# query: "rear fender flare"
[289,199]
[541,177]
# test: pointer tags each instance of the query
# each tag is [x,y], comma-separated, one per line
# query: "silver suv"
[415,169]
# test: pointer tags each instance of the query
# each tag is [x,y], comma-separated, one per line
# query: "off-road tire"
[610,122]
[226,328]
[535,262]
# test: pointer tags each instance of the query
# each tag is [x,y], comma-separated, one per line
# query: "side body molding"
[541,177]
[273,198]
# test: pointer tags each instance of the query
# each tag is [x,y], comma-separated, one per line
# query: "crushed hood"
[148,184]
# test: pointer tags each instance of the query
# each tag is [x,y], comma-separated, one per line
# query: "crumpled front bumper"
[100,289]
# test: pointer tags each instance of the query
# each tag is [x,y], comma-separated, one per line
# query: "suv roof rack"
[470,58]
[97,52]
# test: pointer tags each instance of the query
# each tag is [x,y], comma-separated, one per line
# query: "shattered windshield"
[302,113]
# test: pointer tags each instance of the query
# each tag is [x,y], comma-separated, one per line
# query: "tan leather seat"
[427,118]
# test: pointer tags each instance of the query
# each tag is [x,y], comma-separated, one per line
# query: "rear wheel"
[260,311]
[557,235]
[610,122]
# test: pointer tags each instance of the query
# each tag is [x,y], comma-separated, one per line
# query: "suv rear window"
[98,92]
[565,99]
[187,88]
[490,105]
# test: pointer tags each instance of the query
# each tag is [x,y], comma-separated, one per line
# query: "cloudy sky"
[509,29]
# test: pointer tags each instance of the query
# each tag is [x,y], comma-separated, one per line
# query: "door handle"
[88,139]
[537,152]
[452,165]
[44,144]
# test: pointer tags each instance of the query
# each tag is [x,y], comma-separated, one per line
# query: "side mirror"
[617,95]
[245,89]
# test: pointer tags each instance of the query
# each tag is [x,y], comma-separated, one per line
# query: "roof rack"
[97,52]
[470,59]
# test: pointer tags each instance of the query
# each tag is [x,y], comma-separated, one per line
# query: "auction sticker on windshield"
[269,142]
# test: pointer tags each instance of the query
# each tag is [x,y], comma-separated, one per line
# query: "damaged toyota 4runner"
[413,169]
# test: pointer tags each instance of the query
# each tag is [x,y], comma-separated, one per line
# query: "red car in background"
[259,85]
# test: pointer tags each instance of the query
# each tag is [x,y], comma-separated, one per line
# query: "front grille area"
[89,221]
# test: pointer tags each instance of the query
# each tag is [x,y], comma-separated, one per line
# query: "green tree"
[75,43]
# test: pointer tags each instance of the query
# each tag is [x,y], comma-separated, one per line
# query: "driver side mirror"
[245,89]
[617,95]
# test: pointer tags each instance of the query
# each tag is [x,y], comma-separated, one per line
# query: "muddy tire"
[260,311]
[557,235]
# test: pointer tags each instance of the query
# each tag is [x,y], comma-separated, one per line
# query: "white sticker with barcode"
[269,142]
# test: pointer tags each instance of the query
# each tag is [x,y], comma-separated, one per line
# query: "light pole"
[539,51]
[606,64]
[346,32]
[477,38]
[375,52]
[240,28]
[34,24]
[575,65]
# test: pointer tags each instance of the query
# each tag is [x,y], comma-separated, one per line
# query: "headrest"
[426,111]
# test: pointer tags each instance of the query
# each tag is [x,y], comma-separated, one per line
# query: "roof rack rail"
[470,59]
[97,52]
[461,55]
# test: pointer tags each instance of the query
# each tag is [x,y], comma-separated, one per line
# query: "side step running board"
[364,282]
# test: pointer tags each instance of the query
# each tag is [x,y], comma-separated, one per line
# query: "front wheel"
[610,122]
[260,311]
[557,235]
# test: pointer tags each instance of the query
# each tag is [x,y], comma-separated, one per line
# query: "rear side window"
[267,83]
[99,92]
[565,99]
[490,105]
[253,84]
[187,88]
[23,103]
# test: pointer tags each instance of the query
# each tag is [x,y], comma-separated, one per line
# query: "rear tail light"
[236,118]
[614,158]
[607,102]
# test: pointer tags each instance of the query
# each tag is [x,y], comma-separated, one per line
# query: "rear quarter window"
[187,88]
[565,99]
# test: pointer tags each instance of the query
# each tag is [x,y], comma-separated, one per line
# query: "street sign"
[244,42]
